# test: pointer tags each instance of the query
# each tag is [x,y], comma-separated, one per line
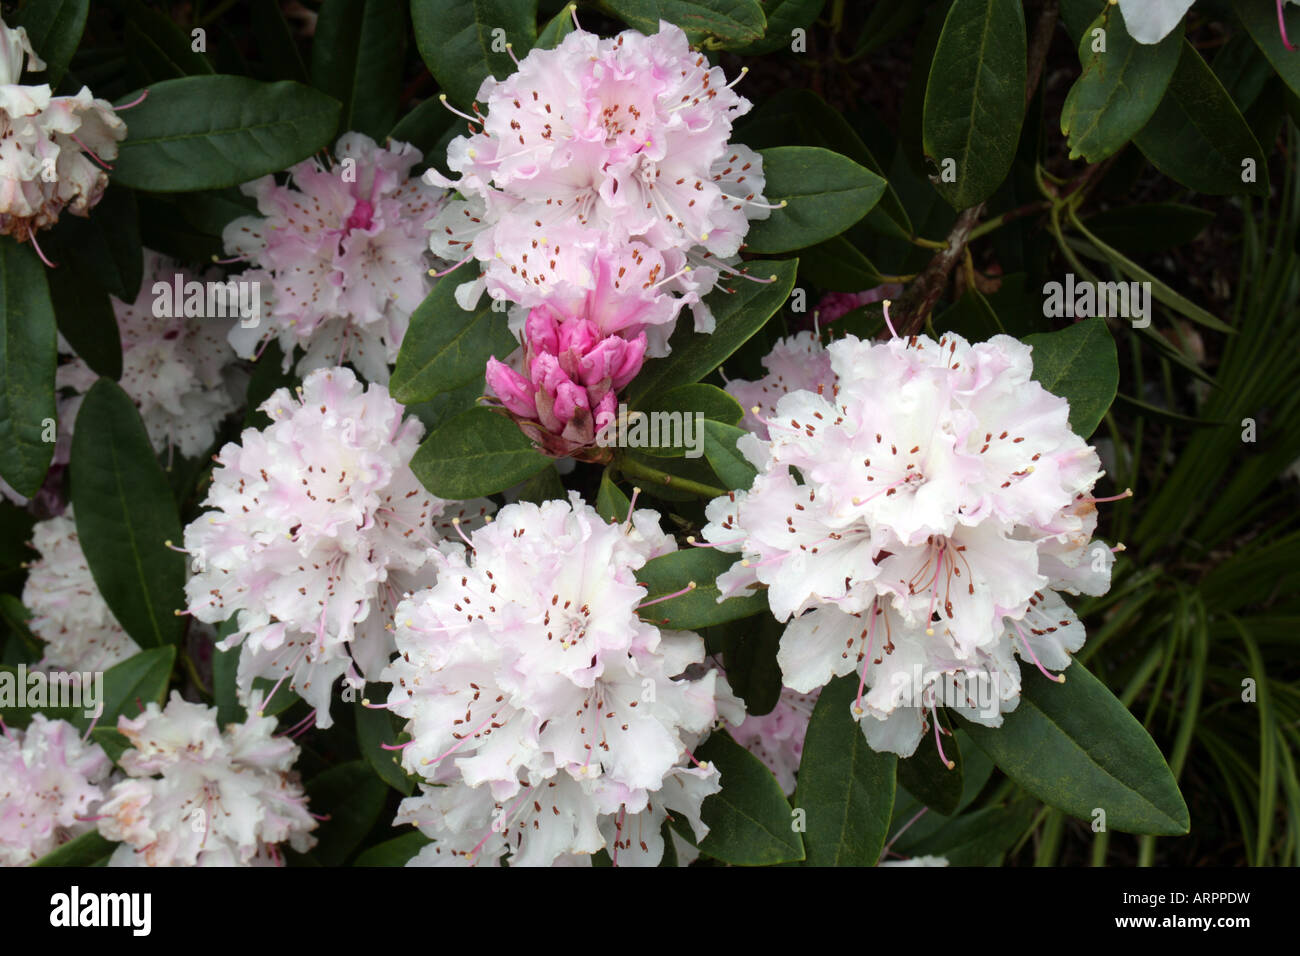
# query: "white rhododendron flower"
[200,796]
[340,254]
[53,149]
[50,781]
[546,717]
[318,529]
[625,137]
[913,521]
[68,612]
[175,368]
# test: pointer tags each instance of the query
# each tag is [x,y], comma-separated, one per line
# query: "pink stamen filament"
[1058,678]
[938,742]
[1281,25]
[668,597]
[135,102]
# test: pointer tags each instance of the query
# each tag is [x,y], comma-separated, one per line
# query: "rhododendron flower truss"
[340,256]
[546,717]
[200,796]
[50,782]
[318,529]
[626,137]
[913,518]
[54,150]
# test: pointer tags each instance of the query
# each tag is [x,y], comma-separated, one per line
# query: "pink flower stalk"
[574,371]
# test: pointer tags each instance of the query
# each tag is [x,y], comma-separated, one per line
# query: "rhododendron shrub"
[709,433]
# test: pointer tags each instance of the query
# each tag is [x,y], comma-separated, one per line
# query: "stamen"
[1281,25]
[134,102]
[892,331]
[442,98]
[691,586]
[934,716]
[438,275]
[37,246]
[1058,678]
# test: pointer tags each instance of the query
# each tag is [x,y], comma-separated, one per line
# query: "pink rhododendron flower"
[50,781]
[340,255]
[54,150]
[626,137]
[179,370]
[199,796]
[68,612]
[546,717]
[568,395]
[318,529]
[913,521]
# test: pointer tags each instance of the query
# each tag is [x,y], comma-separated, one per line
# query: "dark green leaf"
[738,316]
[86,320]
[927,777]
[750,821]
[749,650]
[394,852]
[973,839]
[463,42]
[1077,748]
[353,797]
[28,354]
[1079,364]
[86,850]
[1260,19]
[476,453]
[543,486]
[825,193]
[783,18]
[671,438]
[54,27]
[375,727]
[132,684]
[1120,88]
[356,57]
[845,788]
[734,22]
[672,572]
[158,46]
[611,503]
[975,98]
[720,450]
[446,346]
[1199,138]
[556,29]
[125,516]
[106,245]
[208,132]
